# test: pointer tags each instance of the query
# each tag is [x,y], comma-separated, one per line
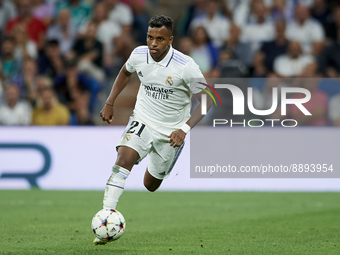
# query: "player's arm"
[197,114]
[121,81]
[177,137]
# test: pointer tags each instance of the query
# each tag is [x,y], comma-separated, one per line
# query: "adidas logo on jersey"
[140,74]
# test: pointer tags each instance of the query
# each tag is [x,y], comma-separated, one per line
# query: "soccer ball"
[108,224]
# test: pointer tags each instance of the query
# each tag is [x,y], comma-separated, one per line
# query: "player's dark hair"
[160,21]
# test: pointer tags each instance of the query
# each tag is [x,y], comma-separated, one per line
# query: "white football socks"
[115,187]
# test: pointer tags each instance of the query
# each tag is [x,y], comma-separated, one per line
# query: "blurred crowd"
[58,58]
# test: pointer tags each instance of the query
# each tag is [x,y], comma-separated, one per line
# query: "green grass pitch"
[59,222]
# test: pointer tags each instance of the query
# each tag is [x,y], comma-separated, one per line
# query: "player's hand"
[107,113]
[177,138]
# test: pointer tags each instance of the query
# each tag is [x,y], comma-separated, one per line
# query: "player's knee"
[151,186]
[124,162]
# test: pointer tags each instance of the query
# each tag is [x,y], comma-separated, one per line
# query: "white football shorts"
[147,141]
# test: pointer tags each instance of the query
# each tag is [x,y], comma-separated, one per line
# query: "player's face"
[159,40]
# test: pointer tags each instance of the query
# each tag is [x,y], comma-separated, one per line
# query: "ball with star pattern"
[108,224]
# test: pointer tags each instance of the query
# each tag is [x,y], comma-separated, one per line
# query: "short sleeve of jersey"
[192,71]
[130,63]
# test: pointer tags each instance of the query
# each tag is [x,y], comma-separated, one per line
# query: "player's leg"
[151,183]
[126,158]
[134,145]
[161,162]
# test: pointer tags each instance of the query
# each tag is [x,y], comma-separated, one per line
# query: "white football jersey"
[164,96]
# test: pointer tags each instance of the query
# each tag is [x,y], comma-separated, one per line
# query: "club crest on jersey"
[169,81]
[127,137]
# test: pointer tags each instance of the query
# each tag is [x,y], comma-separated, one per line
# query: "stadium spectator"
[42,82]
[320,11]
[185,45]
[333,25]
[10,65]
[25,48]
[14,112]
[140,18]
[285,9]
[260,29]
[254,13]
[233,61]
[51,112]
[225,10]
[2,85]
[306,30]
[216,25]
[50,61]
[329,59]
[80,11]
[317,105]
[27,80]
[308,3]
[120,14]
[240,50]
[63,31]
[232,4]
[334,110]
[16,3]
[282,10]
[89,53]
[107,31]
[229,66]
[203,51]
[294,63]
[43,11]
[36,29]
[71,85]
[52,2]
[82,116]
[264,59]
[7,12]
[194,10]
[243,10]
